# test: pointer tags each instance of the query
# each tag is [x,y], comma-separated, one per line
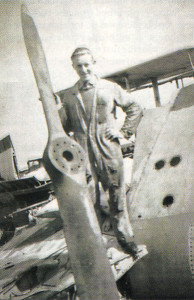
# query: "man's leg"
[120,219]
[97,204]
[94,191]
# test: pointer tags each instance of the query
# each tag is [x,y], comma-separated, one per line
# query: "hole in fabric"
[175,160]
[168,200]
[68,155]
[159,164]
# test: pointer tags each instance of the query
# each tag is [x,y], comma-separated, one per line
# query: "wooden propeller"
[65,163]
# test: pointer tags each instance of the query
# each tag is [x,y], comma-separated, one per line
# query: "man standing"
[88,110]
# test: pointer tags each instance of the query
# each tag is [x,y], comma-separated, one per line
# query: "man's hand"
[112,134]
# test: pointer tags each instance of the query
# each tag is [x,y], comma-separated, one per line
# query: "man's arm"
[131,108]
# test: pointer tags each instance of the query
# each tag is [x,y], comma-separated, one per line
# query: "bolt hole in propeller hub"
[67,156]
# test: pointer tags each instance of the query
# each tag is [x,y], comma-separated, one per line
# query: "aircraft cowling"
[160,203]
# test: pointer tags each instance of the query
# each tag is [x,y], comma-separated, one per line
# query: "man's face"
[84,66]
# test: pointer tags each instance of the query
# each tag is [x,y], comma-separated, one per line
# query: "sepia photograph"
[96,149]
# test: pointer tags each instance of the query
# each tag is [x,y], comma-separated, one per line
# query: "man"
[88,110]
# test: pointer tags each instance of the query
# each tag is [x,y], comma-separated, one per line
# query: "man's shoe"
[130,248]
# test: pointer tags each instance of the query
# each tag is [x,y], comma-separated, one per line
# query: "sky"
[120,33]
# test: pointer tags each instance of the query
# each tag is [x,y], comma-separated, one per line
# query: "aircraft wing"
[176,65]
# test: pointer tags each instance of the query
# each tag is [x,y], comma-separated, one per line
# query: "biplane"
[19,189]
[160,201]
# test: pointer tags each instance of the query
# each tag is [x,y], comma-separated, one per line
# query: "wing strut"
[190,59]
[156,91]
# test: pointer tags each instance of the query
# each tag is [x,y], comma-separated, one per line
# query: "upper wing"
[176,65]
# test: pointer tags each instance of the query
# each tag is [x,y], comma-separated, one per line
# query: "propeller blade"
[65,163]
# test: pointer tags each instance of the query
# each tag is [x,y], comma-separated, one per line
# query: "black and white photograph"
[96,149]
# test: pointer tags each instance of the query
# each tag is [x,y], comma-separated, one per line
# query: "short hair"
[81,51]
